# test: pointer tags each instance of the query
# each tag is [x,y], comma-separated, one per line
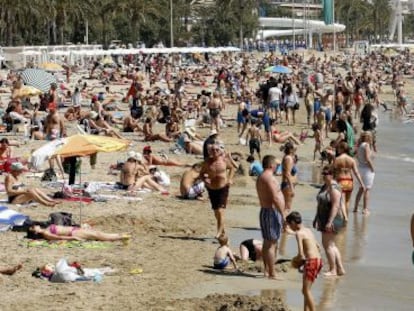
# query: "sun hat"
[17,166]
[213,132]
[190,131]
[134,155]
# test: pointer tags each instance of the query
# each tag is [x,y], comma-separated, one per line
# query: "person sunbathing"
[71,233]
[150,136]
[135,175]
[19,194]
[155,160]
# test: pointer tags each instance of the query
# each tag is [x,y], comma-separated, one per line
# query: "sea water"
[377,248]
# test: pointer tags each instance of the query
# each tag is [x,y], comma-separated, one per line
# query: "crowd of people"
[339,103]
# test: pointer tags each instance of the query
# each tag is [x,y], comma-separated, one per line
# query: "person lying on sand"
[155,160]
[10,270]
[70,233]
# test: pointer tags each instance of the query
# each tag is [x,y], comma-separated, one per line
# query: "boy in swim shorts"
[224,254]
[309,251]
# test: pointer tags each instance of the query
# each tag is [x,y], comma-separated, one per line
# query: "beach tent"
[84,145]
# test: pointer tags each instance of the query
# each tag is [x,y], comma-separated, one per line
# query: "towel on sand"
[10,218]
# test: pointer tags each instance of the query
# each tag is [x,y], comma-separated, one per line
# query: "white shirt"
[275,94]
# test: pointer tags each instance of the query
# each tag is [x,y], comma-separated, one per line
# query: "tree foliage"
[209,22]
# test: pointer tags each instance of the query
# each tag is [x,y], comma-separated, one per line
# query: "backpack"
[61,219]
[49,175]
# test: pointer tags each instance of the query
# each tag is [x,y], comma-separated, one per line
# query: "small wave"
[397,157]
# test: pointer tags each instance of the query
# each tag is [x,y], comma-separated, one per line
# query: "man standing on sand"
[54,125]
[217,173]
[272,213]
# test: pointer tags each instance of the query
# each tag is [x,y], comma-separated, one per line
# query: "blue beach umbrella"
[278,69]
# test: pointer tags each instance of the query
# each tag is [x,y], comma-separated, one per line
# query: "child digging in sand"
[224,254]
[308,255]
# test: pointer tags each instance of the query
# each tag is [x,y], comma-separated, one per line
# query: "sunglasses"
[326,173]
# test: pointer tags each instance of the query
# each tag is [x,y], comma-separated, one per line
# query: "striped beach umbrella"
[38,78]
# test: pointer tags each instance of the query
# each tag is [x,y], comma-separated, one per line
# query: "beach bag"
[49,175]
[296,106]
[61,219]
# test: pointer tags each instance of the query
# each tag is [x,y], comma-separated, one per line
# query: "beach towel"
[10,218]
[66,244]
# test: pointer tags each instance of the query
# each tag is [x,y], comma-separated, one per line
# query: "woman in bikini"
[344,166]
[289,172]
[19,194]
[55,232]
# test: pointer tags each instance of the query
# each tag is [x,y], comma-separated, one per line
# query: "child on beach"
[317,134]
[309,255]
[224,254]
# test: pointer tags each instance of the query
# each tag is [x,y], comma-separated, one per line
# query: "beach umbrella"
[51,67]
[26,91]
[278,69]
[38,78]
[84,145]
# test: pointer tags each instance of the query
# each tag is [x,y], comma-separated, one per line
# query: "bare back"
[268,191]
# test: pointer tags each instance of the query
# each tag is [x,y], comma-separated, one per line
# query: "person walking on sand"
[272,213]
[329,219]
[309,254]
[217,173]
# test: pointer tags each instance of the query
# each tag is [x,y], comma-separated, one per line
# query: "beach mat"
[67,244]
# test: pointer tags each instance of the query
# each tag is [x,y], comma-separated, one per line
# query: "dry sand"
[172,243]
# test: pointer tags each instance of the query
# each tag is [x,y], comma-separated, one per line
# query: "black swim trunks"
[218,197]
[122,186]
[254,144]
[214,112]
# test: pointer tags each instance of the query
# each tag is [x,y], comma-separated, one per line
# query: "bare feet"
[276,278]
[355,210]
[341,272]
[330,274]
[366,211]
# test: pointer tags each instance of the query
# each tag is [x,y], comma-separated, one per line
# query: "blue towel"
[10,218]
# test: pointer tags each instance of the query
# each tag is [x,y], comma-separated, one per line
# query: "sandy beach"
[168,262]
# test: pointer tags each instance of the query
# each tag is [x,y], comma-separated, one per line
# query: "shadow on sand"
[211,270]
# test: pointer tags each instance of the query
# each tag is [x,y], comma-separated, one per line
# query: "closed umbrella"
[278,69]
[38,78]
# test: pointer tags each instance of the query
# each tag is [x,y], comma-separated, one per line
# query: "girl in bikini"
[70,233]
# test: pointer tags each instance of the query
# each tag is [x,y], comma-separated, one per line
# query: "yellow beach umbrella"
[26,91]
[84,145]
[51,66]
